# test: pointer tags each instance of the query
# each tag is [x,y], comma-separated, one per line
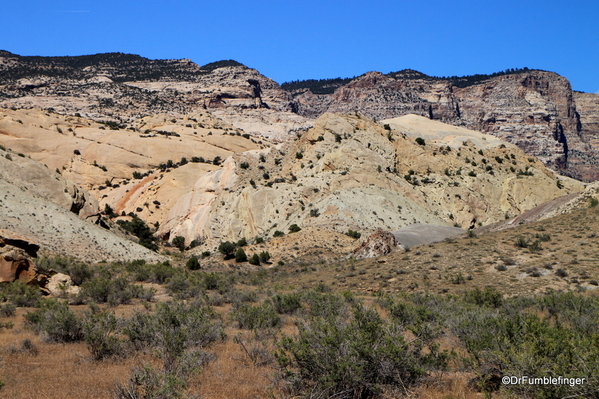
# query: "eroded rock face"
[379,96]
[533,110]
[536,110]
[189,217]
[16,265]
[60,231]
[16,260]
[587,106]
[348,172]
[43,183]
[380,243]
[123,86]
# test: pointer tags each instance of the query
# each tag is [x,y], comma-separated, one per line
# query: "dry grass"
[57,371]
[66,371]
[233,375]
[448,386]
[60,371]
[437,268]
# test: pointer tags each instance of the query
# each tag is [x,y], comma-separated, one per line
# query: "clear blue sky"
[303,39]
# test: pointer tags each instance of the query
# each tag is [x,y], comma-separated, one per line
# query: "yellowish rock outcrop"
[350,172]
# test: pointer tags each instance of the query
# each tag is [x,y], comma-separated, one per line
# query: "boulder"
[16,262]
[381,242]
[60,284]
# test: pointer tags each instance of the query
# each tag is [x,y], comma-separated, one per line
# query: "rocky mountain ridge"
[121,87]
[222,153]
[536,110]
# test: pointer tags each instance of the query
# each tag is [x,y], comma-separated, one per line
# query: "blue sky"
[303,39]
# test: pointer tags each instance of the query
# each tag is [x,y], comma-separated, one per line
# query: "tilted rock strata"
[125,87]
[90,154]
[348,172]
[39,181]
[535,110]
[189,217]
[153,196]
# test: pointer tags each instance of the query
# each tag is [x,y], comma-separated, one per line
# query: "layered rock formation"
[90,153]
[221,152]
[123,87]
[348,172]
[587,106]
[535,110]
[380,96]
[50,211]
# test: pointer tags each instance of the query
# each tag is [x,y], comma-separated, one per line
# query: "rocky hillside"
[221,152]
[37,180]
[533,109]
[52,212]
[203,179]
[122,86]
[349,172]
[141,167]
[536,110]
[91,153]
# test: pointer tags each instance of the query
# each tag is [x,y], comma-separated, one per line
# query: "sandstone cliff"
[48,210]
[348,172]
[122,87]
[535,110]
[587,106]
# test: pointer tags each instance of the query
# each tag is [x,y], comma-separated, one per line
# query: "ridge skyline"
[347,79]
[306,40]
